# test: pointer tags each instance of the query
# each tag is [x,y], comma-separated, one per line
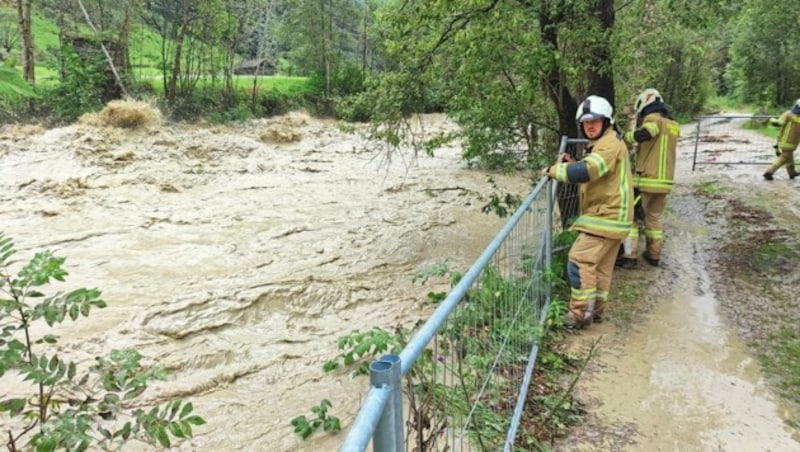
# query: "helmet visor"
[589,116]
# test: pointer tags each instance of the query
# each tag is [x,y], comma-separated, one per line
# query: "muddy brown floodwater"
[237,264]
[681,379]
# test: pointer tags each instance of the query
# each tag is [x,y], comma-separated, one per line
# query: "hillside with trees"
[510,72]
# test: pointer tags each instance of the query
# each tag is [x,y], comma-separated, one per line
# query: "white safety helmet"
[647,97]
[594,107]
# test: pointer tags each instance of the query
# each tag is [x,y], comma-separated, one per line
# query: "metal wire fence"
[461,383]
[727,140]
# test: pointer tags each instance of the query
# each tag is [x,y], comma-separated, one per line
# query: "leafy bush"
[68,408]
[81,89]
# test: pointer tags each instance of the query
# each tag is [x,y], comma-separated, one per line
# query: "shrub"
[68,408]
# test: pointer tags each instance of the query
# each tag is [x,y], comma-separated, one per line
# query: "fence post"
[548,237]
[388,435]
[696,142]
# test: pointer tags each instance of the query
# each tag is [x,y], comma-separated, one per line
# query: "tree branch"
[454,26]
[105,51]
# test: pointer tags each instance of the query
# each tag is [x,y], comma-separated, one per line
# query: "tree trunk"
[24,19]
[565,106]
[364,41]
[176,61]
[327,50]
[601,77]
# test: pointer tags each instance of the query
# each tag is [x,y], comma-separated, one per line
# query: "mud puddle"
[681,380]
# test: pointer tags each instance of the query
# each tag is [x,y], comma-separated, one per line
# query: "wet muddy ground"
[684,371]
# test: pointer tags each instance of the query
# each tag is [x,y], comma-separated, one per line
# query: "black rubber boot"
[768,176]
[650,260]
[571,323]
[626,262]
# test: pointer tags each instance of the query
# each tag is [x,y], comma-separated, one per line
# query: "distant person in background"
[788,137]
[656,139]
[606,210]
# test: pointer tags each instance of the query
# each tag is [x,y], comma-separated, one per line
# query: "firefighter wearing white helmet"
[656,139]
[606,210]
[788,138]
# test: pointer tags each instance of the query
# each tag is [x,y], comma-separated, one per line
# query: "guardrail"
[466,371]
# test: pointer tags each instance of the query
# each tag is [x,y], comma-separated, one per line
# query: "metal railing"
[725,140]
[466,371]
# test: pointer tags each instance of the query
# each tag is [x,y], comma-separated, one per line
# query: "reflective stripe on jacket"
[654,170]
[789,135]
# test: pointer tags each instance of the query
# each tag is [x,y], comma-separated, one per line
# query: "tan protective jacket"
[606,199]
[789,135]
[654,170]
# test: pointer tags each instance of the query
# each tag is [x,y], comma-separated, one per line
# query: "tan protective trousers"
[654,205]
[786,158]
[590,268]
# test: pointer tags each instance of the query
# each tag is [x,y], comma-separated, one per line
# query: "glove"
[629,137]
[775,122]
[777,151]
[546,172]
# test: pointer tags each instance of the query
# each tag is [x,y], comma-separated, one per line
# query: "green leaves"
[124,373]
[305,427]
[6,249]
[41,269]
[45,371]
[66,411]
[13,406]
[12,85]
[72,304]
[360,347]
[173,418]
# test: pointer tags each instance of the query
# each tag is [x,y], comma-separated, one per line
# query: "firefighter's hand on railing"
[566,158]
[546,172]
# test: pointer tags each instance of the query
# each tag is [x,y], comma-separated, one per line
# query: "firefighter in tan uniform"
[788,137]
[606,210]
[656,137]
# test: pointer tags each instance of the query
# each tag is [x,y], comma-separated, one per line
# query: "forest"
[510,72]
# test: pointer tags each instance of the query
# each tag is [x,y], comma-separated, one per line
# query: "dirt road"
[684,375]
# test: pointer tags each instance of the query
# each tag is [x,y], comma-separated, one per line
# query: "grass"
[726,104]
[771,255]
[145,57]
[274,84]
[709,187]
[45,34]
[784,362]
[628,291]
[145,49]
